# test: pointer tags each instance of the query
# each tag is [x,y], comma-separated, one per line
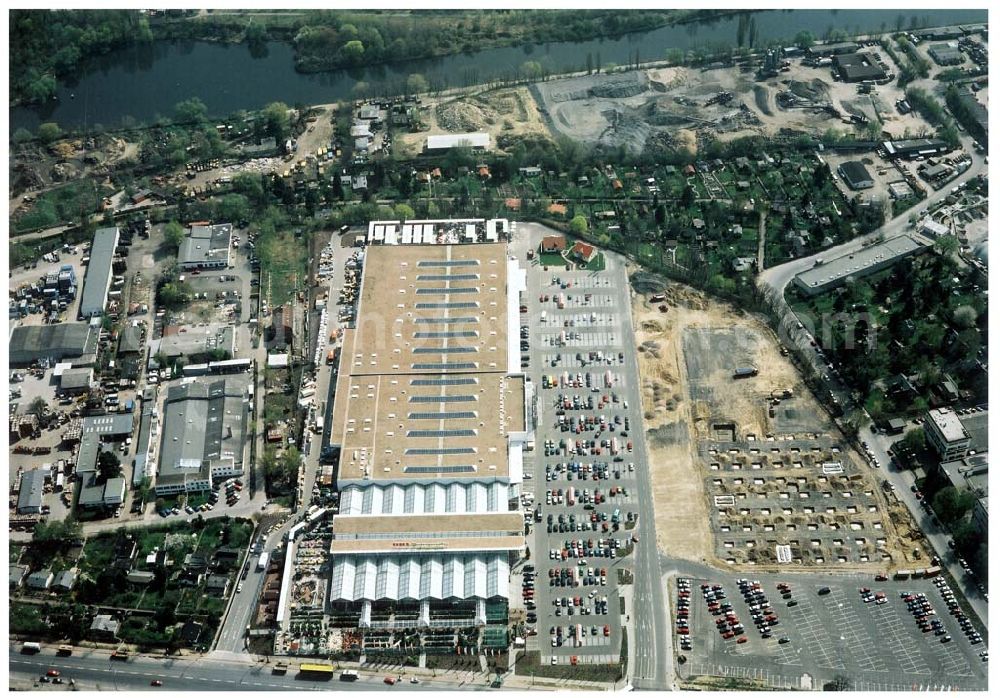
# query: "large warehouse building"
[204,434]
[825,277]
[97,281]
[428,425]
[73,341]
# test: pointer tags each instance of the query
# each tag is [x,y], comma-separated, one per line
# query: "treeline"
[931,109]
[340,39]
[916,66]
[46,45]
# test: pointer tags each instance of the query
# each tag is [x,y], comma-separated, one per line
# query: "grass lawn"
[64,203]
[550,259]
[283,261]
[596,264]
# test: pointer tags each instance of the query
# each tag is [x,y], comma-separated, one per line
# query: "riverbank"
[143,82]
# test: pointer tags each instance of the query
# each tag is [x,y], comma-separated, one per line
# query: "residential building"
[140,578]
[554,243]
[104,627]
[97,281]
[40,580]
[65,581]
[17,575]
[946,434]
[583,253]
[217,584]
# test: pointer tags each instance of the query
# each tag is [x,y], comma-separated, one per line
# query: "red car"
[391,680]
[728,635]
[741,639]
[607,630]
[52,672]
[683,631]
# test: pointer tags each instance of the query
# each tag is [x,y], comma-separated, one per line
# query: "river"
[141,83]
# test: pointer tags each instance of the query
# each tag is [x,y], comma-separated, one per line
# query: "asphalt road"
[650,635]
[95,671]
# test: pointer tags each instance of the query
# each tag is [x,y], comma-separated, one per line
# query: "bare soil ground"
[675,423]
[509,112]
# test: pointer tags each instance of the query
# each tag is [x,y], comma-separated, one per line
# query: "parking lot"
[827,627]
[582,473]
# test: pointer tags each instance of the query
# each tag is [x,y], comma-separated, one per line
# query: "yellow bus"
[316,671]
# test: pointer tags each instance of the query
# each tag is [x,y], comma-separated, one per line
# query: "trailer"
[745,372]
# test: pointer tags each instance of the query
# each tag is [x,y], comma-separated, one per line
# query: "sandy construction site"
[503,113]
[712,436]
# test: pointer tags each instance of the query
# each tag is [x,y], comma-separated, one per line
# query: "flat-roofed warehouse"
[206,247]
[427,425]
[869,260]
[97,281]
[476,141]
[855,67]
[856,175]
[76,341]
[946,54]
[204,434]
[913,147]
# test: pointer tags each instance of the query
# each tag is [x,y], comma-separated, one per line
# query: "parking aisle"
[583,473]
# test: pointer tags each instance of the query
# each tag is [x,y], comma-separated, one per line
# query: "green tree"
[687,197]
[49,132]
[404,211]
[145,487]
[915,440]
[235,208]
[965,316]
[952,504]
[21,135]
[276,123]
[291,461]
[191,111]
[805,39]
[353,51]
[38,406]
[579,224]
[416,83]
[173,235]
[108,465]
[532,70]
